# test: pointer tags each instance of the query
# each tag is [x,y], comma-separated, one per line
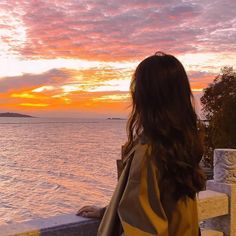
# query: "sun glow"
[70,88]
[197,89]
[112,85]
[208,62]
[115,97]
[34,105]
[42,89]
[22,66]
[23,95]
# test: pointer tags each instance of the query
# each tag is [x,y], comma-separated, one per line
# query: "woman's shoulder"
[141,148]
[142,153]
[142,162]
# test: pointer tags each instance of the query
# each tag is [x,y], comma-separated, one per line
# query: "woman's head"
[162,110]
[161,93]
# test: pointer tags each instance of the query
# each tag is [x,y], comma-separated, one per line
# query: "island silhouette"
[12,114]
[115,118]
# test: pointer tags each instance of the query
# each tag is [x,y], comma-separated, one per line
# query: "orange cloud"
[97,90]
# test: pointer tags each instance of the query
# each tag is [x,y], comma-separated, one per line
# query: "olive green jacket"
[139,208]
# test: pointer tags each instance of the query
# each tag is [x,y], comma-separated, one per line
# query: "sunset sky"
[75,58]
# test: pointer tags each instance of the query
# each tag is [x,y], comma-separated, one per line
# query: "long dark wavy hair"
[162,111]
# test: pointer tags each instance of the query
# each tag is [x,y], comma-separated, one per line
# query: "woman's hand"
[91,212]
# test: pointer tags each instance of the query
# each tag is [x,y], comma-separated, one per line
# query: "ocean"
[55,166]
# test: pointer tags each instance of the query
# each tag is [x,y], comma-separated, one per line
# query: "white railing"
[216,208]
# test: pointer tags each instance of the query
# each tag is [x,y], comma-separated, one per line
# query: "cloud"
[64,92]
[78,89]
[120,30]
[30,81]
[200,79]
[43,45]
[69,88]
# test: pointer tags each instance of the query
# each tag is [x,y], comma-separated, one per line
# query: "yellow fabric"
[137,203]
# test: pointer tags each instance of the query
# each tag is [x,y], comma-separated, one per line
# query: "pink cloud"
[122,30]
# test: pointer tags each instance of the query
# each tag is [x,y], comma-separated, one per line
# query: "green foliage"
[219,106]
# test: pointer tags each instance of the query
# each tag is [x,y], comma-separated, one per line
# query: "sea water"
[55,166]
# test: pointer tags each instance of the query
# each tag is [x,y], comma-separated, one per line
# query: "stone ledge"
[212,204]
[69,225]
[211,233]
[225,223]
[63,225]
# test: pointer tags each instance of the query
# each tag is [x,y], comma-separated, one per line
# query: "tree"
[219,107]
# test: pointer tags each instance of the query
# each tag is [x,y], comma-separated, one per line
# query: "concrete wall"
[62,225]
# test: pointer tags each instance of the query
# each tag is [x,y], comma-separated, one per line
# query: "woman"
[156,192]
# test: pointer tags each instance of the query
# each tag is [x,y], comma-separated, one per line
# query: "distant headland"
[115,118]
[10,114]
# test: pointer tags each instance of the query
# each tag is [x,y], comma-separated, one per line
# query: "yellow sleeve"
[140,209]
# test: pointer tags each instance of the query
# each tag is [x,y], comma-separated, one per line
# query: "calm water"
[54,166]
